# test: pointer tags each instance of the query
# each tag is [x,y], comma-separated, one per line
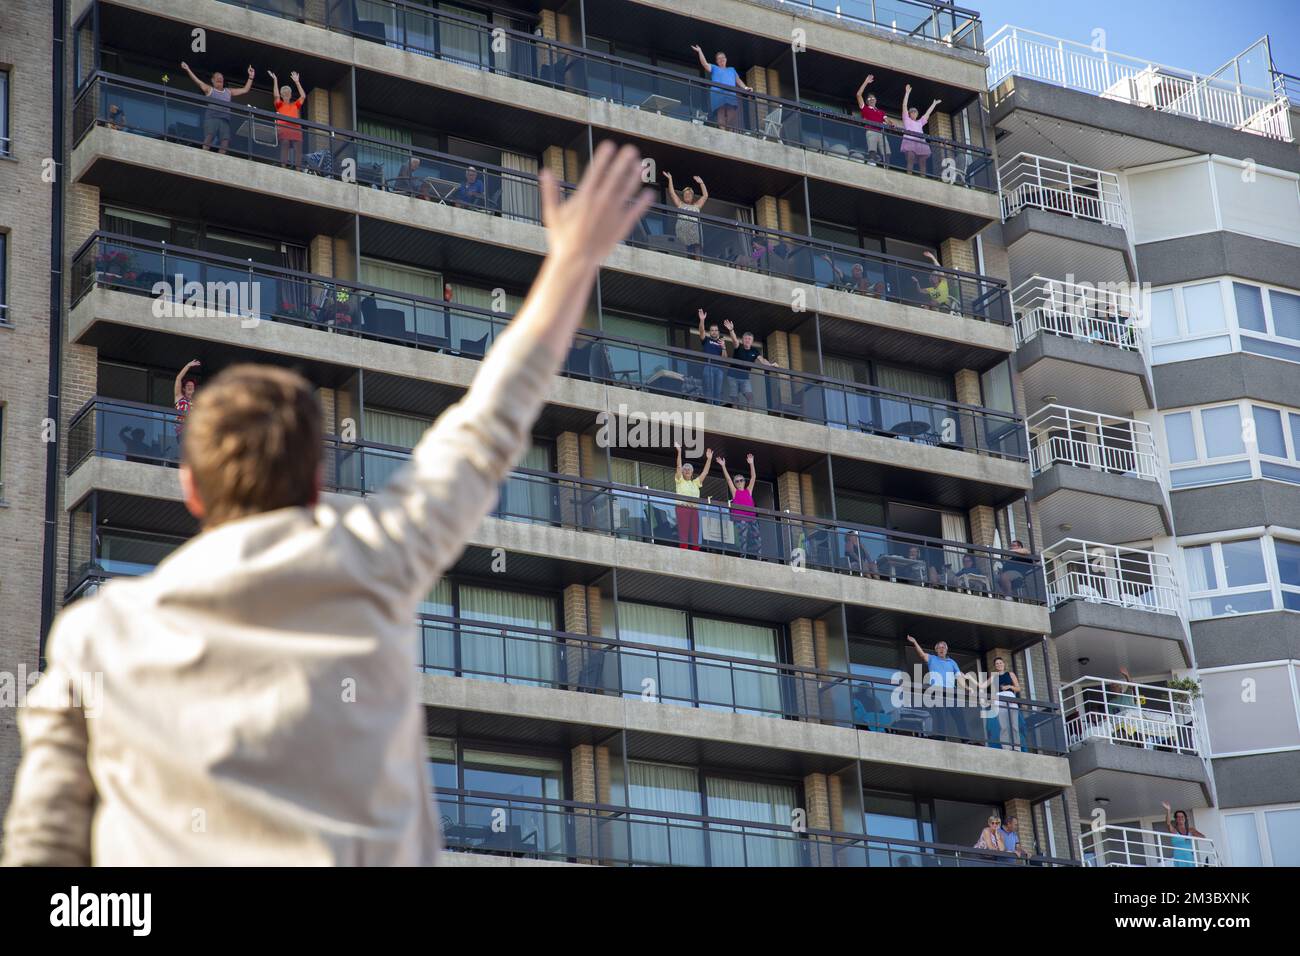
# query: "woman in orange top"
[289,134]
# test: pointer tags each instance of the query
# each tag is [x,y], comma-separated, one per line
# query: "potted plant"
[1184,707]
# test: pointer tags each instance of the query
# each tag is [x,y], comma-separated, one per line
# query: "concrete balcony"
[1114,607]
[1131,846]
[1097,476]
[1082,345]
[1061,218]
[1133,745]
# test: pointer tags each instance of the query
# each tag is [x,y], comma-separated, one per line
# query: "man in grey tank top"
[216,119]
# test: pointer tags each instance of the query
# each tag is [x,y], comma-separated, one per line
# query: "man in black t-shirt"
[745,351]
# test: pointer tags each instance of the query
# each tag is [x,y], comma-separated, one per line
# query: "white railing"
[1210,98]
[1089,313]
[1081,192]
[1136,715]
[1131,846]
[1082,439]
[1110,574]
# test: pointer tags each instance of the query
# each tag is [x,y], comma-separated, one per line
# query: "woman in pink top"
[914,145]
[743,515]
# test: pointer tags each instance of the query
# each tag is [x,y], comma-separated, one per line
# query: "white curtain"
[757,802]
[520,198]
[954,529]
[527,498]
[522,657]
[389,158]
[471,327]
[752,690]
[439,638]
[464,44]
[408,279]
[666,677]
[1200,573]
[654,786]
[389,428]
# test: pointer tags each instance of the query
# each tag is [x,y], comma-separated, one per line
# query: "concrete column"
[821,643]
[767,213]
[796,352]
[817,797]
[958,254]
[1022,810]
[802,647]
[576,617]
[788,492]
[806,494]
[835,797]
[320,255]
[968,386]
[983,525]
[345,261]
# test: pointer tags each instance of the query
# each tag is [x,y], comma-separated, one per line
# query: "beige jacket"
[259,688]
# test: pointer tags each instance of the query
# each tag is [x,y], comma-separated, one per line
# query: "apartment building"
[594,691]
[1152,237]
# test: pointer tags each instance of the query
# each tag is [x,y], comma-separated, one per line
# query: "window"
[1250,709]
[1203,306]
[4,288]
[1232,442]
[1222,316]
[4,113]
[1243,576]
[1268,836]
[1250,306]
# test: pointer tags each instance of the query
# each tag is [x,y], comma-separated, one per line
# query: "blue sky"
[1193,34]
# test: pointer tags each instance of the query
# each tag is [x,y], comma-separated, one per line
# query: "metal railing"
[566,830]
[149,435]
[1131,846]
[1086,313]
[742,685]
[1210,98]
[1124,712]
[1110,574]
[686,96]
[270,293]
[1068,189]
[1059,435]
[157,111]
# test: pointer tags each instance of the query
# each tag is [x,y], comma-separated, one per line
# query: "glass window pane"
[1283,828]
[1164,320]
[1286,313]
[1238,721]
[1222,427]
[1243,562]
[1243,839]
[1268,432]
[1178,433]
[1250,307]
[1203,305]
[1200,568]
[1288,561]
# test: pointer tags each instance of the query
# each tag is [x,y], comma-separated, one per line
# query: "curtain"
[469,327]
[653,786]
[526,498]
[954,529]
[520,198]
[411,281]
[438,638]
[519,657]
[389,159]
[1200,578]
[666,677]
[921,384]
[757,802]
[389,428]
[748,690]
[463,43]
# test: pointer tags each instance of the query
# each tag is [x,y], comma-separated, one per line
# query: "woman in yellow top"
[940,298]
[687,485]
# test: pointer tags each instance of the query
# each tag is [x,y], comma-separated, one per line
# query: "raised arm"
[731,488]
[417,525]
[907,91]
[704,61]
[248,84]
[708,463]
[731,331]
[275,87]
[704,190]
[919,652]
[672,191]
[197,82]
[180,379]
[750,460]
[700,331]
[1169,815]
[862,89]
[297,82]
[926,117]
[678,447]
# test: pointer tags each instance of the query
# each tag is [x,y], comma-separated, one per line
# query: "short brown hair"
[253,442]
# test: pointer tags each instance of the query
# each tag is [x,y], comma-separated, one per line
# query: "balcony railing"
[1131,846]
[1110,574]
[1070,436]
[1130,714]
[269,293]
[565,830]
[1086,313]
[742,685]
[529,56]
[1211,98]
[176,116]
[149,435]
[1068,189]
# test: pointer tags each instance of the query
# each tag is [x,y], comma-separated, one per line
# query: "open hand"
[251,73]
[601,212]
[749,459]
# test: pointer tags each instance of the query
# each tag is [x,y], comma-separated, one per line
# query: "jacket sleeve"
[416,526]
[49,818]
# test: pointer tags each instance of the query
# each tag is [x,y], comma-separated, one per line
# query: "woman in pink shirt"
[743,515]
[914,145]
